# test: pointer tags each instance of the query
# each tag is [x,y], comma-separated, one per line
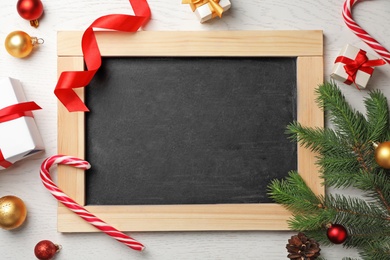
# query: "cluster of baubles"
[18,43]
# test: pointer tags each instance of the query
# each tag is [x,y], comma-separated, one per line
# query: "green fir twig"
[346,159]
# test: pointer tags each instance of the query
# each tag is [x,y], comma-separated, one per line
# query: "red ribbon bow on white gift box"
[361,62]
[13,112]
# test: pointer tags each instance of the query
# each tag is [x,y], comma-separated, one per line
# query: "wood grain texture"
[195,43]
[38,75]
[267,216]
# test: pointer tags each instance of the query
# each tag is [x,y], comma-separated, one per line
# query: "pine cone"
[300,247]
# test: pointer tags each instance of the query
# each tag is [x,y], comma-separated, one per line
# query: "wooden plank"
[200,43]
[71,138]
[309,114]
[181,218]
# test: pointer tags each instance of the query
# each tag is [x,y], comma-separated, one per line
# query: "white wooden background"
[38,76]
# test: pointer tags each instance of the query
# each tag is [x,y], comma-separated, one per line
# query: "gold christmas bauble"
[13,212]
[382,154]
[19,44]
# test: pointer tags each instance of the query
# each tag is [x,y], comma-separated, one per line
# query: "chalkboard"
[187,129]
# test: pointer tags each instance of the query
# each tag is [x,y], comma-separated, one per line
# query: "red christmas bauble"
[46,250]
[337,233]
[30,9]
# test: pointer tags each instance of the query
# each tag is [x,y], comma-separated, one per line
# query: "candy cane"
[76,208]
[362,34]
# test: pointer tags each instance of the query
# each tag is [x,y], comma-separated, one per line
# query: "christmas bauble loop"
[382,154]
[30,10]
[13,212]
[336,233]
[46,250]
[19,44]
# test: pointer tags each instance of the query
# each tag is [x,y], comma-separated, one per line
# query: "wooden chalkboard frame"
[307,46]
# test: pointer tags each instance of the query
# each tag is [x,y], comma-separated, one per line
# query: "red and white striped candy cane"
[362,34]
[75,207]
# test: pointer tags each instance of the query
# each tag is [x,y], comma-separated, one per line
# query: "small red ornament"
[337,233]
[46,250]
[30,10]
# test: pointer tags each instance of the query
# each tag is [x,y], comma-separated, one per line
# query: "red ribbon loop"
[361,62]
[13,112]
[70,80]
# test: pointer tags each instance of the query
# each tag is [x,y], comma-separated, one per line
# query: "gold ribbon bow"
[213,5]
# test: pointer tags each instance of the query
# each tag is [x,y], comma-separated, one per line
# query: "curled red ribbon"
[361,62]
[77,79]
[13,112]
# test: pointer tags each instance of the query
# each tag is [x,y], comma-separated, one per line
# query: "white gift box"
[205,12]
[339,73]
[19,138]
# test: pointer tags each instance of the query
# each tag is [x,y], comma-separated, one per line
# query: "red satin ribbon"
[77,79]
[13,112]
[18,110]
[361,63]
[4,163]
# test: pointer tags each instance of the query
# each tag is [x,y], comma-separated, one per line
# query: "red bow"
[77,79]
[361,62]
[13,112]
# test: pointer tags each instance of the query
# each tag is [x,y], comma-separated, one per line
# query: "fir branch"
[316,139]
[338,164]
[340,180]
[346,158]
[294,194]
[376,250]
[376,186]
[366,213]
[310,221]
[377,116]
[350,124]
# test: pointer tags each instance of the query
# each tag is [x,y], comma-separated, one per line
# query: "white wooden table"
[38,74]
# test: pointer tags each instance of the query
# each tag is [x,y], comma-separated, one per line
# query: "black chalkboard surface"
[189,130]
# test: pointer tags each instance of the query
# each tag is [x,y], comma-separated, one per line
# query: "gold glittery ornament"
[13,212]
[382,154]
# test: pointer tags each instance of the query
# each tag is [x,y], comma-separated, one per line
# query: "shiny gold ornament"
[19,44]
[382,154]
[13,212]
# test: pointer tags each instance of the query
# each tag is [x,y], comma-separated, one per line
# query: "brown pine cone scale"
[301,247]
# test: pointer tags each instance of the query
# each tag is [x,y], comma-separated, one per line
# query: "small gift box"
[208,9]
[19,135]
[354,65]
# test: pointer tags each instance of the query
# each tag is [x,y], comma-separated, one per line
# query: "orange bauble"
[13,212]
[382,154]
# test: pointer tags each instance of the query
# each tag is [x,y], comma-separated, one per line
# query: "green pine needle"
[377,116]
[350,124]
[294,194]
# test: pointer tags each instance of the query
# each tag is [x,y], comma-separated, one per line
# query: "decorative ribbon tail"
[70,80]
[3,162]
[216,8]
